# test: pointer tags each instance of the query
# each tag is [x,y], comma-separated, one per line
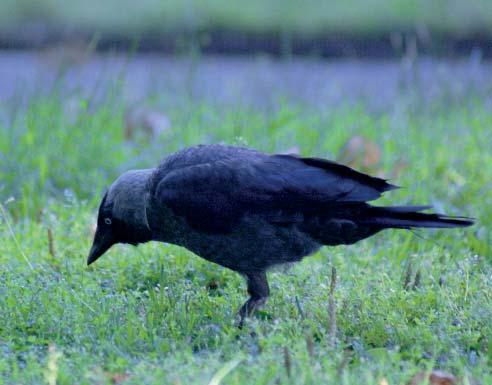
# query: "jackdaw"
[247,210]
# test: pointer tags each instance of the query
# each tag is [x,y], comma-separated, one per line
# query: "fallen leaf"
[360,153]
[149,122]
[436,377]
[118,378]
[398,168]
[372,154]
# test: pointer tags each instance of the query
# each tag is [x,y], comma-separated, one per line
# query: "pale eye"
[107,221]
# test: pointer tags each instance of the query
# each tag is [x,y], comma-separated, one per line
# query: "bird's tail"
[407,217]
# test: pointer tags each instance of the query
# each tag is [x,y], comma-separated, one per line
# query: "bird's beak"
[102,242]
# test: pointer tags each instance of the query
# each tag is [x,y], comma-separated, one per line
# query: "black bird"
[248,211]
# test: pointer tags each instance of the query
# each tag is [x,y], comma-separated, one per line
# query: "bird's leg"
[258,290]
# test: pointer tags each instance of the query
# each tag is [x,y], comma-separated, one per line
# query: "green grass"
[150,314]
[355,16]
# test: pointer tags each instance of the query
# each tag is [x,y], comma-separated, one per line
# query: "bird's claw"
[248,309]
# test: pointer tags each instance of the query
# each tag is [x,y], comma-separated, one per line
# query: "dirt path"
[250,81]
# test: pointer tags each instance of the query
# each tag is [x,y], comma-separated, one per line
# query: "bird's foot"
[249,308]
[258,291]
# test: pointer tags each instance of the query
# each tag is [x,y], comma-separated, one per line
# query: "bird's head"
[122,214]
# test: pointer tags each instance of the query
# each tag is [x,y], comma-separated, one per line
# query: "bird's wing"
[214,196]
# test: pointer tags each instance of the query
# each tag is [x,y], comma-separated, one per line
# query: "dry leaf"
[372,154]
[398,168]
[118,378]
[150,123]
[360,153]
[436,377]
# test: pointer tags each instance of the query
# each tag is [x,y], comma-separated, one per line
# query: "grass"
[355,16]
[158,314]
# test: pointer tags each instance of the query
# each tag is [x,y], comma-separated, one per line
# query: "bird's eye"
[107,221]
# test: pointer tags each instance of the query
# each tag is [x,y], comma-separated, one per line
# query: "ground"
[404,302]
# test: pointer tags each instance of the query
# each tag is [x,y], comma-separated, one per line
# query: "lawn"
[157,314]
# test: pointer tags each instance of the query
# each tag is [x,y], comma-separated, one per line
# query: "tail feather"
[406,217]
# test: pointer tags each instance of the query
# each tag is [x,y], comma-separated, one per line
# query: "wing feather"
[213,196]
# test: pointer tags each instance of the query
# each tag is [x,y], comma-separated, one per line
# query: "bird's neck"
[129,195]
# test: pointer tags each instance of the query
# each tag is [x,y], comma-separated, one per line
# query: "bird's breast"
[254,243]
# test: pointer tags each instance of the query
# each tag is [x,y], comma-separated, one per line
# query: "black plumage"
[247,210]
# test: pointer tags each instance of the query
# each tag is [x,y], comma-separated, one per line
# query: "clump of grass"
[45,152]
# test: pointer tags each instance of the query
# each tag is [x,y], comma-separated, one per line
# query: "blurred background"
[240,40]
[313,27]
